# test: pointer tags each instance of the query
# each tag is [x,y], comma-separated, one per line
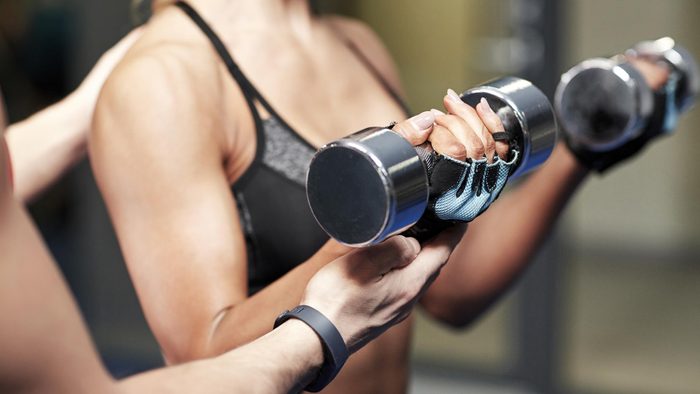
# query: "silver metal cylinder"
[604,103]
[681,61]
[367,186]
[525,111]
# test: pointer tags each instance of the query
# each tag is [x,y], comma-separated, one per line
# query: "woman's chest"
[321,96]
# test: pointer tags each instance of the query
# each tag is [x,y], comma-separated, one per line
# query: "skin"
[46,347]
[170,125]
[40,156]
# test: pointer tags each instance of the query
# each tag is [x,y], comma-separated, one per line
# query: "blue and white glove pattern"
[478,185]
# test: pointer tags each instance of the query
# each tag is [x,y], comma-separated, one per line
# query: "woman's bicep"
[160,172]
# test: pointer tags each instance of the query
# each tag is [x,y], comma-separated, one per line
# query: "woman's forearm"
[501,242]
[253,317]
[285,360]
[46,145]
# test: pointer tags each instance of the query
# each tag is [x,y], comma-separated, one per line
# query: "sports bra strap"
[374,71]
[249,90]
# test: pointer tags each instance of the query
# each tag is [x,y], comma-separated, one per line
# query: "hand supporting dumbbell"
[373,184]
[609,111]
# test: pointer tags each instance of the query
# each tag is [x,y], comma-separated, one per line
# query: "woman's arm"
[158,151]
[502,241]
[505,238]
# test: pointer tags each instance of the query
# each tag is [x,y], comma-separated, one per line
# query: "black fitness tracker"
[335,353]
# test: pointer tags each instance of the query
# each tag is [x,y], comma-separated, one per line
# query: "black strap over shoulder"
[219,47]
[249,90]
[250,93]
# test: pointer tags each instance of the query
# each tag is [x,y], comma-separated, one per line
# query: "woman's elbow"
[191,343]
[456,317]
[181,347]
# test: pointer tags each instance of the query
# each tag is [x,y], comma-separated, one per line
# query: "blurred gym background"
[611,306]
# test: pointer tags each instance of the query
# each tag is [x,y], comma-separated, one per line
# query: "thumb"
[416,129]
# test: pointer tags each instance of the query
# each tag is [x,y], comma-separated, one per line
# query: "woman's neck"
[296,14]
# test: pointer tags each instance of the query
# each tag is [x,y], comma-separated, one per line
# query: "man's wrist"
[335,351]
[332,313]
[306,339]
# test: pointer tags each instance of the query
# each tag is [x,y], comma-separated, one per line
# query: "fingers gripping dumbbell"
[373,184]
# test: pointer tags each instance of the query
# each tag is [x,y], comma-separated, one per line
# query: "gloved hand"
[462,186]
[609,109]
[461,190]
[663,121]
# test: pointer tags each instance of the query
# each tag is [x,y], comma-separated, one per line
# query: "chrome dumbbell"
[373,184]
[604,103]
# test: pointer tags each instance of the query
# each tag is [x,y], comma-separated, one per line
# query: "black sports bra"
[280,231]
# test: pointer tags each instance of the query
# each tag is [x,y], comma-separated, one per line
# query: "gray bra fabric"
[285,152]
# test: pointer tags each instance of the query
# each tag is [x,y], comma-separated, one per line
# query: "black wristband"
[335,353]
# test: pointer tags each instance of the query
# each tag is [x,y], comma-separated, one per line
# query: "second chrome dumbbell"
[603,103]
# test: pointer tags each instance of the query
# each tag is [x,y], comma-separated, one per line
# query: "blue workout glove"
[462,190]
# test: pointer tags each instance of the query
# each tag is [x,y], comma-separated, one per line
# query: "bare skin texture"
[46,348]
[48,143]
[172,132]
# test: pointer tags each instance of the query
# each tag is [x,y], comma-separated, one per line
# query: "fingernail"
[486,107]
[453,96]
[437,112]
[423,120]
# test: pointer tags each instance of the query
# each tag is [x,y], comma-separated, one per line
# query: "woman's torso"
[319,90]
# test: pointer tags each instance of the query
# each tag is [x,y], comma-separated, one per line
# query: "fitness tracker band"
[335,353]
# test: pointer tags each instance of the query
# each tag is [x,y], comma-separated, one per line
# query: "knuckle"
[449,121]
[406,255]
[407,295]
[456,150]
[399,128]
[478,150]
[502,149]
[469,111]
[401,248]
[490,145]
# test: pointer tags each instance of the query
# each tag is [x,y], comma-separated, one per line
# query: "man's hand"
[86,94]
[44,146]
[369,290]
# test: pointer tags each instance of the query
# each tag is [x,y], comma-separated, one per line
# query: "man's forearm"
[285,360]
[45,145]
[251,318]
[502,241]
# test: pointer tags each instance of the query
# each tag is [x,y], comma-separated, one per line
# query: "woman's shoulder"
[160,71]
